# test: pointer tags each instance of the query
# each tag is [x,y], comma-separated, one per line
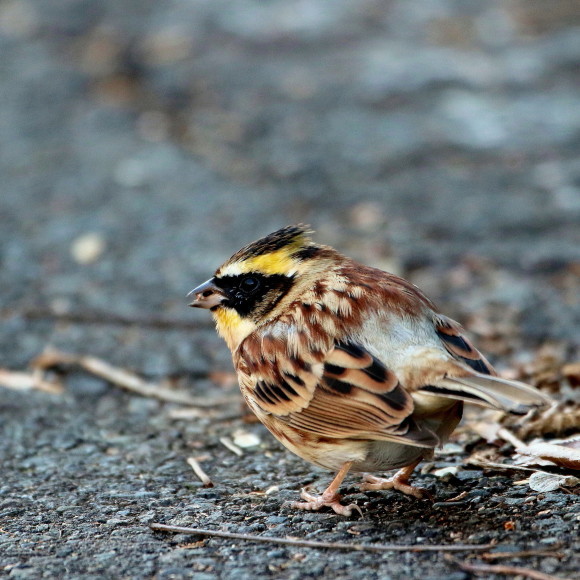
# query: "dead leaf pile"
[561,453]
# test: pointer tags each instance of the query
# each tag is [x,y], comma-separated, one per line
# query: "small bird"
[349,367]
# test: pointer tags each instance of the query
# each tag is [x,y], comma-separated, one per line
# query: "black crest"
[275,241]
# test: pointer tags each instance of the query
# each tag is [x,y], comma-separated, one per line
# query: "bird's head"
[258,281]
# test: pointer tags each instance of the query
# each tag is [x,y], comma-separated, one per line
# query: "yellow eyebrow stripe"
[278,262]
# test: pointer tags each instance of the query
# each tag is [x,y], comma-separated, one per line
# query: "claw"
[330,497]
[315,502]
[372,483]
[399,481]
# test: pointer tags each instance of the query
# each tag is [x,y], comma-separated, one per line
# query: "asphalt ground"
[142,143]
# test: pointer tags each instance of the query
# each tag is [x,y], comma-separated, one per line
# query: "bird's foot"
[399,481]
[315,502]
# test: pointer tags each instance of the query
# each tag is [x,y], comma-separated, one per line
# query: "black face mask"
[246,292]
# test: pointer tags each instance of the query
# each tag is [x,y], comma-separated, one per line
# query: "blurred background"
[143,142]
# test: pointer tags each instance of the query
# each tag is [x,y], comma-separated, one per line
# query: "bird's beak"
[207,295]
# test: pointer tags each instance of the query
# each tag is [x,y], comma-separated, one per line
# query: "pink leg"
[330,497]
[399,481]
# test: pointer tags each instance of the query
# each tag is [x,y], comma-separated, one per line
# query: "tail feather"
[490,391]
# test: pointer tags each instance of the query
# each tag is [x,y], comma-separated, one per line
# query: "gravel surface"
[142,142]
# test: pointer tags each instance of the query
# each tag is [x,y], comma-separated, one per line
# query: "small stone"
[514,500]
[467,474]
[273,520]
[446,473]
[245,439]
[88,248]
[451,449]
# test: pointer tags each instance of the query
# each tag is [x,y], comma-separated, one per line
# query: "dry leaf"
[486,429]
[559,454]
[555,420]
[572,373]
[543,481]
[530,461]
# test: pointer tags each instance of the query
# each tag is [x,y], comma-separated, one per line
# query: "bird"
[349,367]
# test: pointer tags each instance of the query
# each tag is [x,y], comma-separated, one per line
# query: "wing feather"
[450,334]
[345,392]
[490,391]
[479,382]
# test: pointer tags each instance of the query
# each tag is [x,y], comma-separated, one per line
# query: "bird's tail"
[490,391]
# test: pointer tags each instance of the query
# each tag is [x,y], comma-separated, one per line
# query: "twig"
[125,379]
[203,476]
[20,381]
[549,552]
[458,498]
[231,446]
[508,570]
[494,465]
[511,438]
[204,412]
[314,544]
[104,318]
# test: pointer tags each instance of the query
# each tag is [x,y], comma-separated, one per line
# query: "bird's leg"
[330,497]
[399,481]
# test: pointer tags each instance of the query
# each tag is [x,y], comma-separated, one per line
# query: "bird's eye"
[250,285]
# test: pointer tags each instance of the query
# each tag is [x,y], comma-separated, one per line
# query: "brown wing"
[344,392]
[279,381]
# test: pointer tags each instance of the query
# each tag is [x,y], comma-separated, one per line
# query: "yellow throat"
[232,327]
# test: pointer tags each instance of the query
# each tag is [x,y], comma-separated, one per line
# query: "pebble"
[514,500]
